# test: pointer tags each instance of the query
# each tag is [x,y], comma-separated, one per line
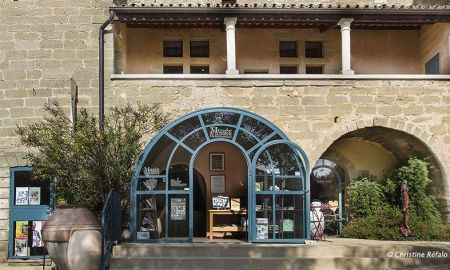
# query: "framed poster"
[178,208]
[217,183]
[216,161]
[21,239]
[34,195]
[36,228]
[21,195]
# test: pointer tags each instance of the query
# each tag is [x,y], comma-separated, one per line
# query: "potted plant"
[85,162]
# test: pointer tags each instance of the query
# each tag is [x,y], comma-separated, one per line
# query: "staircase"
[276,256]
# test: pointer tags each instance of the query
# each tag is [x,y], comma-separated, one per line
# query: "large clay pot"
[72,238]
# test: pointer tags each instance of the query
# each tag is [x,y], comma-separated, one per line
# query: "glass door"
[280,201]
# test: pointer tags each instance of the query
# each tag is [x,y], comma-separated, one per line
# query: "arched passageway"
[375,151]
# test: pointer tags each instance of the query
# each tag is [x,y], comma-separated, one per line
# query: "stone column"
[345,38]
[230,23]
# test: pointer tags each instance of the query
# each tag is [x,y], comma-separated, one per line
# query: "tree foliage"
[364,197]
[415,172]
[85,161]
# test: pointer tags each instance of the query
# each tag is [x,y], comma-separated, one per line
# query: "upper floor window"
[288,49]
[432,66]
[313,49]
[199,69]
[173,69]
[173,48]
[288,69]
[199,48]
[314,70]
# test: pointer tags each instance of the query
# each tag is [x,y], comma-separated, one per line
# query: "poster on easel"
[34,195]
[21,195]
[21,239]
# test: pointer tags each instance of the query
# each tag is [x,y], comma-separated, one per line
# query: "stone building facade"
[369,123]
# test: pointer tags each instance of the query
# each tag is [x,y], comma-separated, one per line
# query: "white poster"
[36,228]
[34,195]
[21,195]
[262,228]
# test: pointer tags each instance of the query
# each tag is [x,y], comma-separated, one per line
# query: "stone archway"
[390,142]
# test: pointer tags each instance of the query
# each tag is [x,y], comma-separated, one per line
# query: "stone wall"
[43,43]
[306,110]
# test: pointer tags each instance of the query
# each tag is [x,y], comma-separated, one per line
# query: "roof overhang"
[321,17]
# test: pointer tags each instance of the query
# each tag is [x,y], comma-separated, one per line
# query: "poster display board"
[178,208]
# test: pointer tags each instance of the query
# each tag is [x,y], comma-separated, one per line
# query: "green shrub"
[376,209]
[415,172]
[86,161]
[381,224]
[364,197]
[433,229]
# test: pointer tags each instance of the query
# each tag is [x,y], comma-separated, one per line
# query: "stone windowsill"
[278,77]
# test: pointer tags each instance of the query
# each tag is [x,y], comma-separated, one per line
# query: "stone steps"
[248,256]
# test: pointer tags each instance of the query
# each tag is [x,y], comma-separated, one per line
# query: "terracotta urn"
[73,239]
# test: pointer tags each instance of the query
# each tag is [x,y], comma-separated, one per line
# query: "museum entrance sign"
[162,200]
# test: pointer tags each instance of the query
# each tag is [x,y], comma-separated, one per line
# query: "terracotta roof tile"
[285,6]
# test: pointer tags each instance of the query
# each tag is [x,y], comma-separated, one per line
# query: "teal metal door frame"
[340,186]
[257,130]
[304,165]
[23,213]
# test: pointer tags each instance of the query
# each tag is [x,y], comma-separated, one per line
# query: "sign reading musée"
[262,173]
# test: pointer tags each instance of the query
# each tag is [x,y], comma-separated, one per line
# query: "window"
[313,50]
[199,69]
[29,207]
[173,49]
[175,69]
[199,48]
[314,70]
[288,69]
[288,49]
[432,66]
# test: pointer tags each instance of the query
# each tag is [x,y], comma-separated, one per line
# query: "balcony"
[346,44]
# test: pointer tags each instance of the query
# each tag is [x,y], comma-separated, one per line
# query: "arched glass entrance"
[162,186]
[327,187]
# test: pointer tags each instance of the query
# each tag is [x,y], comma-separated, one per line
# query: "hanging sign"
[220,132]
[178,209]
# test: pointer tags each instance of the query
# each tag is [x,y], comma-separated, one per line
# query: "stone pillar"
[345,38]
[230,23]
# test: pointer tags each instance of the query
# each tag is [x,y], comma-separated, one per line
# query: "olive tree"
[86,161]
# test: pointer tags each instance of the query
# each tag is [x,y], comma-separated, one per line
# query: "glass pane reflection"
[184,128]
[220,118]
